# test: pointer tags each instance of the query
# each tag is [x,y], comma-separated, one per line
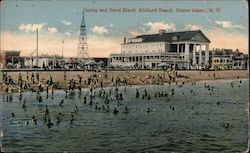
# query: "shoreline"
[118,78]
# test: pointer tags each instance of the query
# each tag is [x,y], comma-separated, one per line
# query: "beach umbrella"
[90,63]
[100,63]
[163,65]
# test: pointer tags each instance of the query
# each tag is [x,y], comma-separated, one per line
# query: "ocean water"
[197,123]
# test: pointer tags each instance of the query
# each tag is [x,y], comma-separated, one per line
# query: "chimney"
[124,41]
[162,31]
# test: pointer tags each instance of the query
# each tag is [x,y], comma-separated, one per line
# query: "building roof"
[196,35]
[10,52]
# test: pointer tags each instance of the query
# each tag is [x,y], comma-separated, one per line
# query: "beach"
[108,78]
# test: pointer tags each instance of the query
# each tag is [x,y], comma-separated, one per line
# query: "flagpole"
[62,47]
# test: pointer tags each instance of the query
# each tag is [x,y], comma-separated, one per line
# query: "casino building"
[177,50]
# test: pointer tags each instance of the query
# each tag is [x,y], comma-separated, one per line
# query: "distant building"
[44,62]
[227,59]
[11,59]
[179,50]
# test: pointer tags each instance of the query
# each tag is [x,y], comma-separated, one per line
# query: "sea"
[206,116]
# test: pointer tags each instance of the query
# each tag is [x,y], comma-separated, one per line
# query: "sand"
[132,77]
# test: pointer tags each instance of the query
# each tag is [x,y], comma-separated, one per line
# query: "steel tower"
[82,50]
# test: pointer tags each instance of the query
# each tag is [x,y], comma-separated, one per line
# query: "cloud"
[192,27]
[67,23]
[134,33]
[100,30]
[224,39]
[31,27]
[228,25]
[98,45]
[102,46]
[154,27]
[67,33]
[111,25]
[52,29]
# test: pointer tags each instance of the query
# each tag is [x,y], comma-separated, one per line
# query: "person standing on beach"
[64,75]
[80,80]
[51,80]
[37,76]
[27,76]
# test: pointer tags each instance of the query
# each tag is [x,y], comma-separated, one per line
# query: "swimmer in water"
[126,110]
[50,124]
[137,93]
[61,103]
[34,120]
[76,109]
[12,114]
[107,110]
[85,99]
[58,120]
[149,97]
[148,111]
[46,111]
[103,107]
[115,111]
[91,102]
[72,119]
[24,104]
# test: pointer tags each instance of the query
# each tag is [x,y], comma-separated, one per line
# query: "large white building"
[179,50]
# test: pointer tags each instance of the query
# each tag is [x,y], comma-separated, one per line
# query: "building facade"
[11,59]
[179,50]
[44,62]
[227,59]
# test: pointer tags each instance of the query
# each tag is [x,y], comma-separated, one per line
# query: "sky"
[225,23]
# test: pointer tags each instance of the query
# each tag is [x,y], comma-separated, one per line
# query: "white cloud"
[134,32]
[192,27]
[100,30]
[67,33]
[221,38]
[228,25]
[67,23]
[52,29]
[31,27]
[154,27]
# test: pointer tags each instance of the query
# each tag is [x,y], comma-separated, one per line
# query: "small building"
[180,50]
[11,59]
[44,62]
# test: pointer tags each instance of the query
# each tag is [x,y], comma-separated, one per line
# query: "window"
[174,38]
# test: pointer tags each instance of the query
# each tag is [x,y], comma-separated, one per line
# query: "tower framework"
[82,50]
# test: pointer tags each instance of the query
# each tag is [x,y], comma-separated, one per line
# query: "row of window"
[222,61]
[141,46]
[146,57]
[144,51]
